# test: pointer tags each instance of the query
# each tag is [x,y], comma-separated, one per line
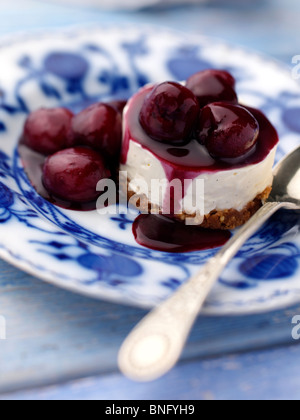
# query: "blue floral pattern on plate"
[97,255]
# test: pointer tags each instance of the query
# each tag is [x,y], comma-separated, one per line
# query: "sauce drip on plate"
[168,235]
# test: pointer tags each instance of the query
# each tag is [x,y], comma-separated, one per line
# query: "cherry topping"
[228,131]
[212,86]
[100,127]
[169,113]
[48,130]
[73,174]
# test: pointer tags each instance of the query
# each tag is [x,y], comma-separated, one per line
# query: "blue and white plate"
[97,255]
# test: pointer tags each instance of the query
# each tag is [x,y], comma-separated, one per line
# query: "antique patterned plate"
[97,255]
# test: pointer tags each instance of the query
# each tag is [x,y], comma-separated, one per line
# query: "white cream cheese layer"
[227,189]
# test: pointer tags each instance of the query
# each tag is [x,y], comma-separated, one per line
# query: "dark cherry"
[212,86]
[99,126]
[48,130]
[169,113]
[228,131]
[73,174]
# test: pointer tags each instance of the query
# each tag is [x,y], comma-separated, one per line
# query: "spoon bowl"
[286,185]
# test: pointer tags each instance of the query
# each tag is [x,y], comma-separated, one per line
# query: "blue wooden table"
[64,346]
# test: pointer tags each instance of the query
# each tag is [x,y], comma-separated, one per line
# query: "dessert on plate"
[197,139]
[188,151]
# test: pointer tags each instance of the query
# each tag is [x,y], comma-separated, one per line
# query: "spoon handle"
[155,344]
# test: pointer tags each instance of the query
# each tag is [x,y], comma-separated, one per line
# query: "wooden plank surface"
[264,375]
[54,336]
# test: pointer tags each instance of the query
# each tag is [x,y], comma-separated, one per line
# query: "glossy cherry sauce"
[168,235]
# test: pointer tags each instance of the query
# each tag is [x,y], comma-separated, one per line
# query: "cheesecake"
[191,151]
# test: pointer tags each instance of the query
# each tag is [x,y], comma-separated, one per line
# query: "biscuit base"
[216,219]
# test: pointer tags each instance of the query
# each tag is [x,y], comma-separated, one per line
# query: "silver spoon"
[155,344]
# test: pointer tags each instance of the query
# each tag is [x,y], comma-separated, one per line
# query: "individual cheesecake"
[198,136]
